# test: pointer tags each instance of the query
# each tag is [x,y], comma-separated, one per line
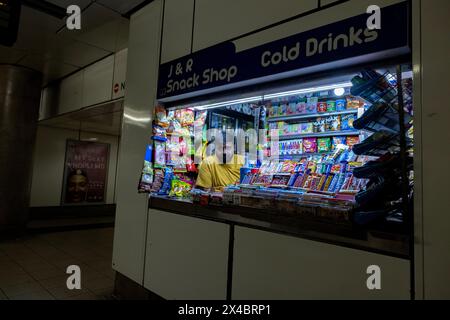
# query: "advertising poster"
[85,172]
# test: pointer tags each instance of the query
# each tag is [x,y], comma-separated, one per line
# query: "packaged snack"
[200,118]
[167,183]
[307,127]
[159,132]
[322,107]
[280,180]
[338,141]
[161,118]
[311,105]
[282,109]
[319,125]
[347,122]
[301,107]
[333,123]
[354,103]
[310,145]
[158,179]
[351,141]
[274,111]
[292,109]
[331,106]
[160,154]
[341,105]
[185,116]
[180,188]
[324,145]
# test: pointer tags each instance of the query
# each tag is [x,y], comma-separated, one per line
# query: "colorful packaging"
[167,183]
[158,179]
[324,145]
[180,188]
[185,117]
[319,125]
[292,109]
[159,132]
[338,141]
[161,118]
[307,128]
[310,145]
[331,106]
[347,122]
[301,107]
[351,141]
[341,105]
[311,105]
[160,154]
[322,107]
[282,110]
[353,103]
[200,118]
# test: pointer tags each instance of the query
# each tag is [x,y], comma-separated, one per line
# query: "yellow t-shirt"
[211,174]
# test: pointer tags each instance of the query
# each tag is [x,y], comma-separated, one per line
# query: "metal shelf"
[309,116]
[319,135]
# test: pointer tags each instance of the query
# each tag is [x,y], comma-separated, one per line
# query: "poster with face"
[85,172]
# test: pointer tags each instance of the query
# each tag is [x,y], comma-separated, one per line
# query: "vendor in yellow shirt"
[216,174]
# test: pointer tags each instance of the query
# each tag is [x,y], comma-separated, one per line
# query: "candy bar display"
[332,155]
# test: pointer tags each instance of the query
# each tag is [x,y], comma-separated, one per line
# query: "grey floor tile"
[99,283]
[54,282]
[14,279]
[37,295]
[63,292]
[24,288]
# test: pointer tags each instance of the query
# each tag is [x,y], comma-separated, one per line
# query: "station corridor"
[34,267]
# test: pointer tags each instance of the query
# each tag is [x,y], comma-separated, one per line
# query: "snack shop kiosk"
[323,193]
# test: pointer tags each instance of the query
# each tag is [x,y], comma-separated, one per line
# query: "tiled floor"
[34,268]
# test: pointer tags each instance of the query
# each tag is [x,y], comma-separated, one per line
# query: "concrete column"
[20,92]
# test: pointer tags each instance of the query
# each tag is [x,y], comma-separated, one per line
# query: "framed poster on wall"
[85,173]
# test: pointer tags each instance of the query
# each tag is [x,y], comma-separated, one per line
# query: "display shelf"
[304,155]
[311,116]
[320,135]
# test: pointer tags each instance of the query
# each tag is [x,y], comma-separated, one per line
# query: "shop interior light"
[308,90]
[227,103]
[339,92]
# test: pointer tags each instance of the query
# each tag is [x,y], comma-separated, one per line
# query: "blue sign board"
[221,65]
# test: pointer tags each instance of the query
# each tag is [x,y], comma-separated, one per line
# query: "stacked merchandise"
[313,124]
[324,186]
[383,196]
[169,168]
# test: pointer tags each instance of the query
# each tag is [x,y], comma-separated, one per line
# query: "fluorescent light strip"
[228,103]
[309,90]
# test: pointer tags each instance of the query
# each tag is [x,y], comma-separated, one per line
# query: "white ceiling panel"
[121,5]
[77,54]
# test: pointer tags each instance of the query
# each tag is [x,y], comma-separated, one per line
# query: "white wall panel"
[435,69]
[71,93]
[273,266]
[177,31]
[48,166]
[97,83]
[120,74]
[217,20]
[186,257]
[142,73]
